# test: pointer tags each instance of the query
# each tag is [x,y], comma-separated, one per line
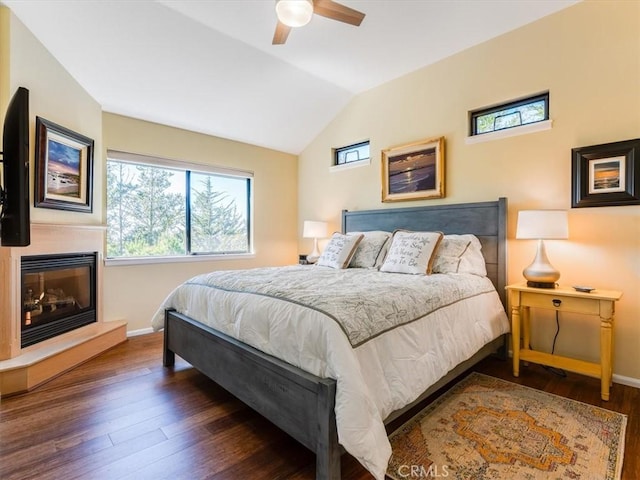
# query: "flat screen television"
[15,227]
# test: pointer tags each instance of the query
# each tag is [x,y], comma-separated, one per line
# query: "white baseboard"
[621,379]
[629,381]
[141,331]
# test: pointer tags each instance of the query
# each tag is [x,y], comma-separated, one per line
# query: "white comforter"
[387,369]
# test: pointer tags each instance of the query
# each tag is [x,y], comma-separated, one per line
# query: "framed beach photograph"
[605,175]
[64,168]
[414,171]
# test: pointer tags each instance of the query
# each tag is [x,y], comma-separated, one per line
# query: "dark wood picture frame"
[606,175]
[64,168]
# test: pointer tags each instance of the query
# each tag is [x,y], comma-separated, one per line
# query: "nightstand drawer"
[562,303]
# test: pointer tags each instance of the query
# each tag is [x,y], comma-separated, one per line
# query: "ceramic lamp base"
[541,274]
[315,253]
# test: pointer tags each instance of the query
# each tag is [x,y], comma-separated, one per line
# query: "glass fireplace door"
[58,295]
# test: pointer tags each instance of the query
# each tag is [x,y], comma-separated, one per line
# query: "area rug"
[487,428]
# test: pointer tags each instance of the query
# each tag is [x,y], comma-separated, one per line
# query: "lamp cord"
[557,371]
[553,347]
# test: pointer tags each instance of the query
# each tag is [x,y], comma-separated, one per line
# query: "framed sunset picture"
[64,168]
[414,171]
[605,175]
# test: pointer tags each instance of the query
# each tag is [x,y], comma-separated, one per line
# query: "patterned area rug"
[487,428]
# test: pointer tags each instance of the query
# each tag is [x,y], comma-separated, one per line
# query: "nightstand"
[598,303]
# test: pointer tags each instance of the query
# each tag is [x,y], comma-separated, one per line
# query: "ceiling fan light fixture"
[294,13]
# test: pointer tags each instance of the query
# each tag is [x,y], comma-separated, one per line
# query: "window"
[159,208]
[508,115]
[351,153]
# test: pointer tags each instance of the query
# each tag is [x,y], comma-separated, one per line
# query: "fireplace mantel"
[22,369]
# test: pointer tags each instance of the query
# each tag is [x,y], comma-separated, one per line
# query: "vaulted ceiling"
[209,65]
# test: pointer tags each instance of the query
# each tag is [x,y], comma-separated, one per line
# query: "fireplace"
[58,295]
[51,314]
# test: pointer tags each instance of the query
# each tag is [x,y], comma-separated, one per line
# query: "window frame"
[475,114]
[187,168]
[354,146]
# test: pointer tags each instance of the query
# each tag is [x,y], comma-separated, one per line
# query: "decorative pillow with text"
[339,250]
[411,252]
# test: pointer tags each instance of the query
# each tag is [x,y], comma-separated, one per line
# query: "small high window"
[509,115]
[351,153]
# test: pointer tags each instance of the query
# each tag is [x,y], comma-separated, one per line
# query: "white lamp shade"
[543,224]
[294,13]
[313,229]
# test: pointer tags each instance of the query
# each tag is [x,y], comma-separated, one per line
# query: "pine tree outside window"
[509,115]
[172,209]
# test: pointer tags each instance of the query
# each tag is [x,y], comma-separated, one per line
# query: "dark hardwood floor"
[123,416]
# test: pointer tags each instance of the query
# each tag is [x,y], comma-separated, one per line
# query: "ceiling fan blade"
[281,34]
[337,11]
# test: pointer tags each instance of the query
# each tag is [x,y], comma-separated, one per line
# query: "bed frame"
[302,404]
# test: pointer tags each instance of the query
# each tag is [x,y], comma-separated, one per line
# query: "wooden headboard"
[485,220]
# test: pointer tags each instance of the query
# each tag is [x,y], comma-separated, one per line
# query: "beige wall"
[588,57]
[53,95]
[5,60]
[134,292]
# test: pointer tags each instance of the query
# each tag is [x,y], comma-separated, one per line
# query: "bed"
[304,404]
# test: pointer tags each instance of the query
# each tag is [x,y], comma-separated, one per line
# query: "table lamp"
[542,225]
[315,230]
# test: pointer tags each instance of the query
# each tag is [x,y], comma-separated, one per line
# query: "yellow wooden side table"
[599,303]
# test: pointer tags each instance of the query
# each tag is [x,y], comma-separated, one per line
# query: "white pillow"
[411,252]
[460,254]
[371,249]
[339,250]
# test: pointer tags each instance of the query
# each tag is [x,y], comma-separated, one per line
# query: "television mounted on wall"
[15,228]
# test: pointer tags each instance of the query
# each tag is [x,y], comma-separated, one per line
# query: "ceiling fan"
[296,13]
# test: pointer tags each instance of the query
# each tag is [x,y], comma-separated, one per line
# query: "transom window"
[509,115]
[351,153]
[158,207]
